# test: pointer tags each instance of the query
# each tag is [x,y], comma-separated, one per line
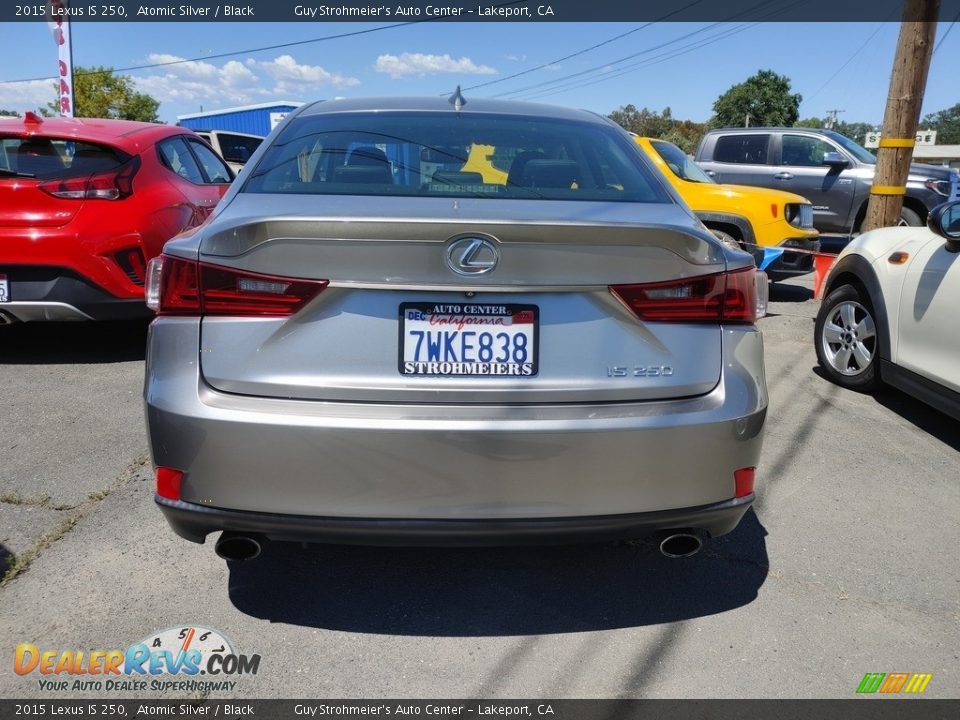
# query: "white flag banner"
[59,23]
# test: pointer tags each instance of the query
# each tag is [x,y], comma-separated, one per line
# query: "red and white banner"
[59,24]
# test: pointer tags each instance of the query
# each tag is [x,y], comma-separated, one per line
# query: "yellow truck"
[751,217]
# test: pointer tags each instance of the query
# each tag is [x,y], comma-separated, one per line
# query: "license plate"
[4,288]
[468,339]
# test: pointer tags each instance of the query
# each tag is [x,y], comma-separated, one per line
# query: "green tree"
[685,134]
[99,92]
[946,123]
[648,123]
[9,113]
[764,97]
[856,131]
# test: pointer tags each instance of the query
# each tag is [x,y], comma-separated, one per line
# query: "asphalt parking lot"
[848,563]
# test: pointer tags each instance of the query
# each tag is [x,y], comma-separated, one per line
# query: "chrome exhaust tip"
[236,546]
[680,545]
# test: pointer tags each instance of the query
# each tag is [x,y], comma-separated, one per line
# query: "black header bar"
[532,11]
[873,708]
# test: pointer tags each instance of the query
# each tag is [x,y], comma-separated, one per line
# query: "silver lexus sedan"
[419,321]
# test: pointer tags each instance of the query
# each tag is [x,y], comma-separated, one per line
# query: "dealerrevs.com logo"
[188,658]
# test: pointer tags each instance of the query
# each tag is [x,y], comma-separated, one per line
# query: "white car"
[234,147]
[890,312]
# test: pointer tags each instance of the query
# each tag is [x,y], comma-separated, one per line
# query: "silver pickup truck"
[830,170]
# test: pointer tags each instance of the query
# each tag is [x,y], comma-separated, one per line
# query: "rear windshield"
[49,158]
[453,155]
[679,163]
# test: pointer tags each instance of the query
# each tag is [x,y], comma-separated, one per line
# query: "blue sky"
[833,65]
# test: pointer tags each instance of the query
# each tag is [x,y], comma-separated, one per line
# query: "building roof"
[936,151]
[241,108]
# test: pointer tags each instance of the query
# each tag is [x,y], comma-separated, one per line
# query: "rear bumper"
[193,522]
[344,471]
[58,294]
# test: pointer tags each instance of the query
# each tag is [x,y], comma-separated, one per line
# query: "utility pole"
[908,81]
[832,118]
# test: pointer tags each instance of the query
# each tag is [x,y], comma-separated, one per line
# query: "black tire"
[908,217]
[840,349]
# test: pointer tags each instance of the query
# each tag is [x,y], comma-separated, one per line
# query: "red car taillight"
[113,185]
[185,287]
[729,297]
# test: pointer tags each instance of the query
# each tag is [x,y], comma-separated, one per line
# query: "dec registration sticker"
[484,339]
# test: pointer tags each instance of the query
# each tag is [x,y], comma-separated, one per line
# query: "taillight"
[185,287]
[113,185]
[730,297]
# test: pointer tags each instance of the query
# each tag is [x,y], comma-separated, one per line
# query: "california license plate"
[4,288]
[483,339]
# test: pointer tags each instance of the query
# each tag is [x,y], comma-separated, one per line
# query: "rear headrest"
[363,174]
[457,177]
[367,155]
[550,173]
[38,158]
[519,164]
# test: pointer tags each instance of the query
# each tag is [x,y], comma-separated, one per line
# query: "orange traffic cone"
[821,268]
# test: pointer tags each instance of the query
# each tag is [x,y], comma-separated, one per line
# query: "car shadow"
[780,292]
[42,343]
[930,420]
[498,591]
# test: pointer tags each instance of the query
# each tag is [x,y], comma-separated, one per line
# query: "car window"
[177,157]
[742,149]
[52,158]
[860,153]
[453,155]
[216,169]
[804,151]
[679,163]
[238,148]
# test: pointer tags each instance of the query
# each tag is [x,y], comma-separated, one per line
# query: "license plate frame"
[4,288]
[448,323]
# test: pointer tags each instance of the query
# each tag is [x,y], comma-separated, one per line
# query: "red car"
[84,204]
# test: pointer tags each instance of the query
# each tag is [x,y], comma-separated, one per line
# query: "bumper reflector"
[168,483]
[744,478]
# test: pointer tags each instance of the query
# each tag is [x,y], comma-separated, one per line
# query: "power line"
[655,60]
[230,54]
[614,72]
[610,70]
[233,53]
[581,73]
[947,32]
[584,50]
[850,59]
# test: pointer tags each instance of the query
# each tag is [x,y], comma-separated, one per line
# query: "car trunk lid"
[556,262]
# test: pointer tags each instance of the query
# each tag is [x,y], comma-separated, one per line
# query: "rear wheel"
[846,339]
[908,218]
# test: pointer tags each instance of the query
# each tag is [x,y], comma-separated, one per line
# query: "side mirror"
[944,220]
[835,159]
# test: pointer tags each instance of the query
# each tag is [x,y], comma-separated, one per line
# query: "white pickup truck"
[234,147]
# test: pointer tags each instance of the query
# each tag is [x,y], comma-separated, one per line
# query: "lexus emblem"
[472,255]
